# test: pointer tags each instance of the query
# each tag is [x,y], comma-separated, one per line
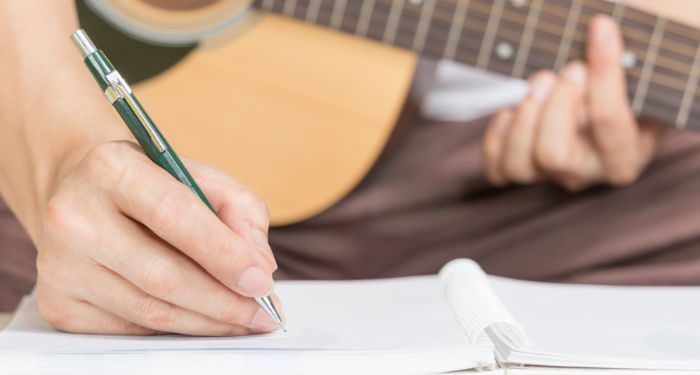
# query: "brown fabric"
[17,260]
[427,202]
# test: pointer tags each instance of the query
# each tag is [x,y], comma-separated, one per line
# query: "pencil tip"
[269,307]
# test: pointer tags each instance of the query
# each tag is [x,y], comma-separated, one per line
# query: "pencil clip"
[119,89]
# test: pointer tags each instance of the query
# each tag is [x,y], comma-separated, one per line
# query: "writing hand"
[125,248]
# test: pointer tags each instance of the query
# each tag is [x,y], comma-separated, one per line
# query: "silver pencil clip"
[118,88]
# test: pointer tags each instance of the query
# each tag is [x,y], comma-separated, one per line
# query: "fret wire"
[528,34]
[652,101]
[393,21]
[566,38]
[649,58]
[424,21]
[312,11]
[365,17]
[338,12]
[631,33]
[289,6]
[490,34]
[580,38]
[462,8]
[618,11]
[634,34]
[689,92]
[664,82]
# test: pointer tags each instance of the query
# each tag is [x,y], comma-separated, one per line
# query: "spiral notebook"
[458,320]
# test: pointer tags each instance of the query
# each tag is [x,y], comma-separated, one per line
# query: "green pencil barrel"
[166,159]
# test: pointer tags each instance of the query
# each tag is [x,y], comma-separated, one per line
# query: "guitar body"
[263,104]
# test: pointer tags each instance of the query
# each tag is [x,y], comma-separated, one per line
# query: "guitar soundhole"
[179,4]
[146,37]
[136,59]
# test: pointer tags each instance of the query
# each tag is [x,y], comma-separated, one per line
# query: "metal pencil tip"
[271,310]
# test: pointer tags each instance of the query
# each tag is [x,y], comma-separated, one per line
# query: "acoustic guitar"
[297,98]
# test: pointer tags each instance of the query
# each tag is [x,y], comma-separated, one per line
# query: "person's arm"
[123,247]
[576,127]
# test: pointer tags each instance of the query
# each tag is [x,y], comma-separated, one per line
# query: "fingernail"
[603,31]
[541,87]
[263,322]
[261,240]
[254,282]
[575,73]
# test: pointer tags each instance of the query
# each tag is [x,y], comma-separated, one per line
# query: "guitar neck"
[519,37]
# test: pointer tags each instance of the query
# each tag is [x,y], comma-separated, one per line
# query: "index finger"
[151,196]
[613,124]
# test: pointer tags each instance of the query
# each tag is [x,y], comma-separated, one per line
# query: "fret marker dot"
[629,59]
[519,3]
[504,50]
[415,2]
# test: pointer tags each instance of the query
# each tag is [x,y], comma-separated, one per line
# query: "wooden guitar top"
[296,113]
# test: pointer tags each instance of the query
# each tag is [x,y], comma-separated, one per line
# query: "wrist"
[73,118]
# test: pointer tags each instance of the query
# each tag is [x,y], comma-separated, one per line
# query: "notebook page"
[604,326]
[402,323]
[476,306]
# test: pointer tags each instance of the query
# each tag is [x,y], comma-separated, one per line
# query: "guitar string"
[553,29]
[579,36]
[641,36]
[663,62]
[515,16]
[663,100]
[658,78]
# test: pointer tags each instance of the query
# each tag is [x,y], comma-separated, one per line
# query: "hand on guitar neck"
[576,127]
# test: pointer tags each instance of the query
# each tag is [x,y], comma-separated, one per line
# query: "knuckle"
[222,256]
[157,315]
[105,160]
[255,202]
[60,216]
[255,205]
[169,209]
[159,279]
[604,116]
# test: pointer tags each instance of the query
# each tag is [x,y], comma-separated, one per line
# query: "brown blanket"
[426,202]
[17,255]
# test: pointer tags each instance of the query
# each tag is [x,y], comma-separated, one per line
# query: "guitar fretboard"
[519,37]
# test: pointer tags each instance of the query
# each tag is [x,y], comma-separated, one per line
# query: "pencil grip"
[167,159]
